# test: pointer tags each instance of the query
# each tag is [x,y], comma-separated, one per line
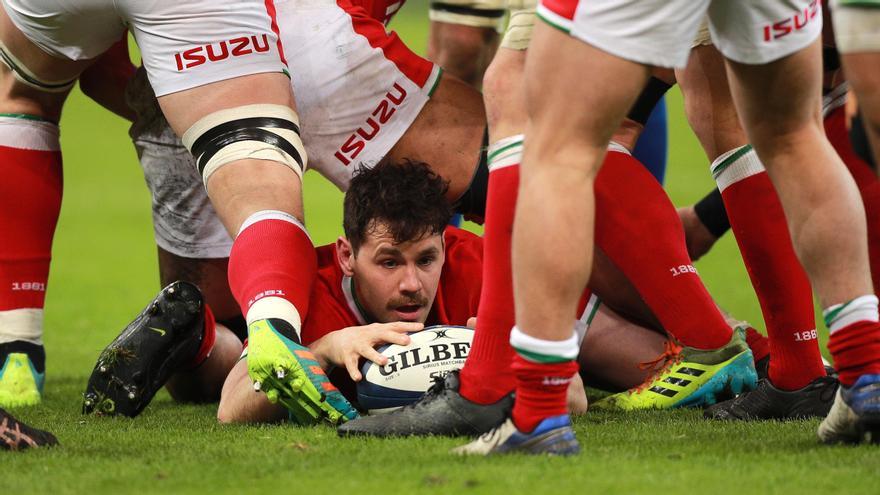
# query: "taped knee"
[28,78]
[262,132]
[474,13]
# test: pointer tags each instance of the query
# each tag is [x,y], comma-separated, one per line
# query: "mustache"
[413,300]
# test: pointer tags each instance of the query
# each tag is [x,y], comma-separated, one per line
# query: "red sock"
[487,376]
[209,336]
[759,344]
[541,391]
[871,200]
[273,258]
[758,222]
[639,229]
[30,201]
[856,350]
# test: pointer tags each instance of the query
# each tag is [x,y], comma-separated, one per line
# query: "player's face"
[398,282]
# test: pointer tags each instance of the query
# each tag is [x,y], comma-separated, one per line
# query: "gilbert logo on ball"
[411,369]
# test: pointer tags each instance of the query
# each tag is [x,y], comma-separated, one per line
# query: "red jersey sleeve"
[461,280]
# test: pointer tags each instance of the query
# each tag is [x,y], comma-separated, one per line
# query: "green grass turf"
[104,271]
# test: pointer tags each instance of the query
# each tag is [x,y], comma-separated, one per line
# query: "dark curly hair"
[407,198]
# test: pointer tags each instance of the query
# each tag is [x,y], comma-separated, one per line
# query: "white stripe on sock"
[271,215]
[22,324]
[743,167]
[863,308]
[566,349]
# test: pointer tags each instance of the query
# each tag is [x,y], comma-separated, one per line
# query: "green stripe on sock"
[594,311]
[721,167]
[537,357]
[494,154]
[830,315]
[25,116]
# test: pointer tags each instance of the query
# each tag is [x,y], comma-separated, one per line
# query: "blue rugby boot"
[22,373]
[552,436]
[855,414]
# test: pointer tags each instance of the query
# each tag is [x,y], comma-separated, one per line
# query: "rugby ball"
[411,369]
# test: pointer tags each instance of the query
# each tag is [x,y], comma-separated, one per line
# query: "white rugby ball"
[411,369]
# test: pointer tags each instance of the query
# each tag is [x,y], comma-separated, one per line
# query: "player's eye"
[427,260]
[389,263]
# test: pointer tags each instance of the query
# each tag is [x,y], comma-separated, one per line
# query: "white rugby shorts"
[358,89]
[856,25]
[661,32]
[183,43]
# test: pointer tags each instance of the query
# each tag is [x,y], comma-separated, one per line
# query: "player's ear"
[345,255]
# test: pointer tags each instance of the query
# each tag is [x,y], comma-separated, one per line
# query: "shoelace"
[438,385]
[14,436]
[670,356]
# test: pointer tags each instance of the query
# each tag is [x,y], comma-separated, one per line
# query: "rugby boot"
[290,374]
[164,338]
[15,435]
[855,415]
[689,377]
[552,436]
[762,367]
[22,373]
[441,411]
[768,402]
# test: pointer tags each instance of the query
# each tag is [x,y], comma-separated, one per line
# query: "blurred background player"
[463,36]
[858,41]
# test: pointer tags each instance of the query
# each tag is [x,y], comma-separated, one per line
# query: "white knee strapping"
[263,132]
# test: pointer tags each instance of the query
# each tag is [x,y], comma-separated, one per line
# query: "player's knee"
[225,415]
[261,132]
[502,78]
[464,51]
[503,91]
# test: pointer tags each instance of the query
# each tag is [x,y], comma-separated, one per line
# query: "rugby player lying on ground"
[444,131]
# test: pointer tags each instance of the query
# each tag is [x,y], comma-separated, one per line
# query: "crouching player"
[397,267]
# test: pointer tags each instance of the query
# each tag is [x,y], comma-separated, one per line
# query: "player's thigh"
[573,113]
[22,48]
[780,99]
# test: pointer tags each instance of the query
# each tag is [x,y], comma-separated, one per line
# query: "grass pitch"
[104,272]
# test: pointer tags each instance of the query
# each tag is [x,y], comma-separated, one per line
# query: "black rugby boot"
[163,338]
[769,402]
[441,411]
[15,435]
